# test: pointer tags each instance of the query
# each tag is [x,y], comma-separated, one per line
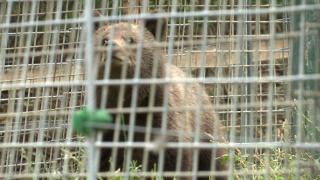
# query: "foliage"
[282,163]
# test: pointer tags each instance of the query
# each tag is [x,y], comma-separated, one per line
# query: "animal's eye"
[105,42]
[130,40]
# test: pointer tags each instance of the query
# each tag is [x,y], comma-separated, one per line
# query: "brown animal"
[126,39]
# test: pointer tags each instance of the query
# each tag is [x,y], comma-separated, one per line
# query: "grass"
[282,163]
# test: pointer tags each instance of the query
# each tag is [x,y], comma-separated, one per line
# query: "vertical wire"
[18,108]
[59,120]
[4,39]
[234,101]
[254,73]
[135,91]
[288,119]
[151,103]
[105,90]
[74,37]
[270,87]
[90,86]
[4,42]
[21,92]
[199,108]
[164,119]
[121,99]
[250,87]
[73,68]
[47,91]
[40,91]
[301,71]
[220,38]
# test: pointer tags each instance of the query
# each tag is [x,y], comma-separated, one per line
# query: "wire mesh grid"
[257,60]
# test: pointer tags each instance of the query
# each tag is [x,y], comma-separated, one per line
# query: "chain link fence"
[258,61]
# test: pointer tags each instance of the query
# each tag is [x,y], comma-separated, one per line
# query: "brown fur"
[179,95]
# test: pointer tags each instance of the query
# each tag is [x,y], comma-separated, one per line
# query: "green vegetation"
[282,163]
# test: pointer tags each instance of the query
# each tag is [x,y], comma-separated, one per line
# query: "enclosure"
[258,60]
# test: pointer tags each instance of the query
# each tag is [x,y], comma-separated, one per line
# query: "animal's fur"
[179,95]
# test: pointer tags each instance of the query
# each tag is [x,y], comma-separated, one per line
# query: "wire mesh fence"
[196,89]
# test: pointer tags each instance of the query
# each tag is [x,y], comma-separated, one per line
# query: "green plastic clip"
[83,118]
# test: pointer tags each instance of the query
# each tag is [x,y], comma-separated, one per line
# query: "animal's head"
[122,42]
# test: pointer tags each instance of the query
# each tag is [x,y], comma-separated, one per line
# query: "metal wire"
[257,60]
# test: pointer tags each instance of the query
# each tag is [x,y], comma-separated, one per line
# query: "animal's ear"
[158,27]
[96,13]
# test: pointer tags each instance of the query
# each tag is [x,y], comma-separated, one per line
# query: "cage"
[257,61]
